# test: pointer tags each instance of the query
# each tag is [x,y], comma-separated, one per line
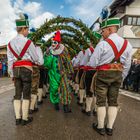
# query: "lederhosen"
[35,79]
[109,77]
[42,79]
[22,70]
[88,77]
[76,71]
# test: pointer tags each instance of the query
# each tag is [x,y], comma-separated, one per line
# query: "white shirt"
[17,45]
[73,61]
[79,58]
[103,54]
[40,55]
[86,57]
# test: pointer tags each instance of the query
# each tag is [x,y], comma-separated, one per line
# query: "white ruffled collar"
[58,51]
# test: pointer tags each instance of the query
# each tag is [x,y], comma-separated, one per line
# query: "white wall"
[134,8]
[127,32]
[121,31]
[135,42]
[136,30]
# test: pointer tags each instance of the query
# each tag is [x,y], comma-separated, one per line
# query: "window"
[134,21]
[138,21]
[129,20]
[121,22]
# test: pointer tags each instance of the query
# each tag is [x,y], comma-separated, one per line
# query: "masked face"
[55,44]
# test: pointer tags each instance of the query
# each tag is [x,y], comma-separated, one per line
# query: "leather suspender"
[91,49]
[19,57]
[116,52]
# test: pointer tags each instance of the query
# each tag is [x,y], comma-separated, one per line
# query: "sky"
[40,10]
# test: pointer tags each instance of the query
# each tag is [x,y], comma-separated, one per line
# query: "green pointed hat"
[110,22]
[23,21]
[97,35]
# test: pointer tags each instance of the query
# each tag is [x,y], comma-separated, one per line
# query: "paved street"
[51,125]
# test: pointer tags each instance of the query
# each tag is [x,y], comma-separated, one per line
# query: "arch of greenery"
[74,33]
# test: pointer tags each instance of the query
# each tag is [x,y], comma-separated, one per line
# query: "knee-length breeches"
[88,80]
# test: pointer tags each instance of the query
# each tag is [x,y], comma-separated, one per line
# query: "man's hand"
[13,80]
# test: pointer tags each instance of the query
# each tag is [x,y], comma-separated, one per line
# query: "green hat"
[88,40]
[40,42]
[110,22]
[23,21]
[97,35]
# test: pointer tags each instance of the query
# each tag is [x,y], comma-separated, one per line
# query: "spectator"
[133,78]
[4,68]
[0,69]
[136,75]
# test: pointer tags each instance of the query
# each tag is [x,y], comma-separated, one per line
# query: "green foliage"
[75,33]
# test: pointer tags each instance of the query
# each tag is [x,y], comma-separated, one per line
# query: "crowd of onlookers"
[3,67]
[132,81]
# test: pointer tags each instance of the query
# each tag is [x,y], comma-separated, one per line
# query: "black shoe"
[101,131]
[78,98]
[94,113]
[36,109]
[109,131]
[39,102]
[88,113]
[56,106]
[18,121]
[80,104]
[33,111]
[25,122]
[66,109]
[47,93]
[83,111]
[44,97]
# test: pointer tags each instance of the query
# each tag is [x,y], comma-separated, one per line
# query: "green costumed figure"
[57,61]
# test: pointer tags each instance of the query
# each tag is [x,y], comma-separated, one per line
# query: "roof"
[119,3]
[2,47]
[114,7]
[3,52]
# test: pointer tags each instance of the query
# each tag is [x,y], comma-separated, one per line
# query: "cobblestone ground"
[51,125]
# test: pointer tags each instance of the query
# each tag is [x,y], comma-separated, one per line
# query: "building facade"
[129,13]
[3,52]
